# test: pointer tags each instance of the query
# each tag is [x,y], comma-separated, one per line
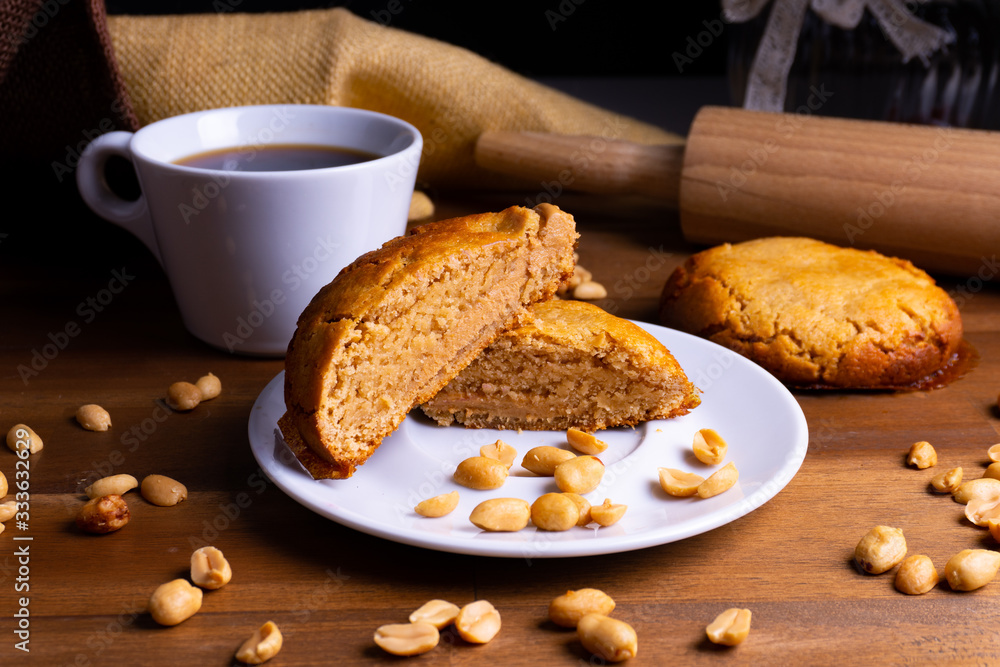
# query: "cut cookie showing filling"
[573,365]
[400,322]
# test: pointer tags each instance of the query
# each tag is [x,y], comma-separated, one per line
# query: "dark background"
[537,39]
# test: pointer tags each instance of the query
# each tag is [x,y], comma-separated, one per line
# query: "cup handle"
[93,186]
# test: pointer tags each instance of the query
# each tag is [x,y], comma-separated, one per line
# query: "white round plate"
[757,416]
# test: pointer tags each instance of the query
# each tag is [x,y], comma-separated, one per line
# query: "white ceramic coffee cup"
[246,251]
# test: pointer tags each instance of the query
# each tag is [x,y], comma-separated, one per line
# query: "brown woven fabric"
[59,86]
[177,64]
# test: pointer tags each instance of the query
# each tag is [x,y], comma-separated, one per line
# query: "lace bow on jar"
[768,75]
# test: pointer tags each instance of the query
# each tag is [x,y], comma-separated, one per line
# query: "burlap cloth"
[68,72]
[59,85]
[176,64]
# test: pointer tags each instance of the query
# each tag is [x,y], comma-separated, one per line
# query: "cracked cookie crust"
[815,314]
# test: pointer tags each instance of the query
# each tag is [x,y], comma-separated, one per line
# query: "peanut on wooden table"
[608,638]
[880,550]
[261,646]
[93,417]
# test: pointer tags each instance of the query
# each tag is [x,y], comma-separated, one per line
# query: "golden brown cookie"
[817,315]
[400,322]
[572,365]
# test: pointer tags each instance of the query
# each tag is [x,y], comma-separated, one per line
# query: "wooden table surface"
[329,587]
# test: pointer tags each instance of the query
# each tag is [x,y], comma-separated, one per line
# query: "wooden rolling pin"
[929,194]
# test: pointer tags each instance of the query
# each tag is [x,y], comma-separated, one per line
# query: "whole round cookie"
[815,314]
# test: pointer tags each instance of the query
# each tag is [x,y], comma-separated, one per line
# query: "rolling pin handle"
[585,163]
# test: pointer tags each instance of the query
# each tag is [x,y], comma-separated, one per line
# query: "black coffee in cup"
[276,157]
